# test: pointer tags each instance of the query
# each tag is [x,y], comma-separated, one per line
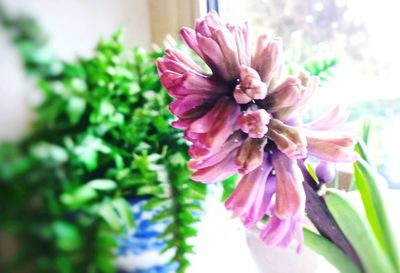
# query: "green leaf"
[67,236]
[124,210]
[331,252]
[49,152]
[372,189]
[362,150]
[102,184]
[229,186]
[155,190]
[75,108]
[156,203]
[359,233]
[366,130]
[189,231]
[109,214]
[78,197]
[311,171]
[163,215]
[105,262]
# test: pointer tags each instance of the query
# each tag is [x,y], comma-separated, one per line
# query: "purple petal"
[325,171]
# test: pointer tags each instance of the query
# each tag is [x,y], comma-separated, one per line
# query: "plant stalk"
[322,219]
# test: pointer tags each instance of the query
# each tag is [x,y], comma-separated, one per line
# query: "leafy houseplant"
[101,136]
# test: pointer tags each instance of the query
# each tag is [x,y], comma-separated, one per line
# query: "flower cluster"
[243,117]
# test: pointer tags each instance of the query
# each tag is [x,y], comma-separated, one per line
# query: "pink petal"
[228,48]
[189,37]
[234,142]
[250,155]
[250,84]
[291,97]
[240,96]
[184,59]
[279,232]
[223,47]
[289,139]
[202,28]
[276,230]
[254,122]
[170,79]
[334,119]
[241,37]
[182,123]
[190,106]
[217,172]
[212,20]
[198,151]
[173,65]
[252,196]
[290,196]
[284,95]
[191,83]
[268,58]
[214,56]
[218,124]
[331,146]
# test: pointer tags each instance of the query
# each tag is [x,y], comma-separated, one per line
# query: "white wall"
[74,27]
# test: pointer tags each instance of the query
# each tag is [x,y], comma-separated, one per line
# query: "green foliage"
[101,135]
[370,230]
[229,186]
[355,227]
[330,251]
[366,130]
[372,186]
[322,68]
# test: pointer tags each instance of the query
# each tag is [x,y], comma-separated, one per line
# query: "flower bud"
[325,172]
[250,87]
[250,155]
[254,123]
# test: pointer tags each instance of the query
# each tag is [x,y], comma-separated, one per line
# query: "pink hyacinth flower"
[244,118]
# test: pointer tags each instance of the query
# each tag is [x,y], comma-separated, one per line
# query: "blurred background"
[350,44]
